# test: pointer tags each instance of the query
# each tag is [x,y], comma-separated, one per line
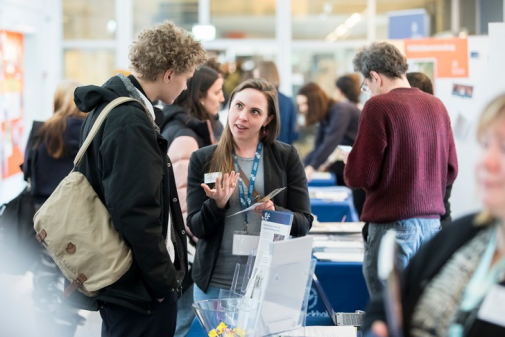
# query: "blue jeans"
[211,294]
[410,235]
[185,314]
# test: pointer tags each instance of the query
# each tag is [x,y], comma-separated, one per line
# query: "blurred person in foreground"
[128,167]
[189,124]
[55,144]
[403,157]
[338,125]
[287,133]
[455,285]
[423,82]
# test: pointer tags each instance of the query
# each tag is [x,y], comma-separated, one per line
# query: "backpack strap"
[256,195]
[98,123]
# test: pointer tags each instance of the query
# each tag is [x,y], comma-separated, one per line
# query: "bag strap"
[256,195]
[98,123]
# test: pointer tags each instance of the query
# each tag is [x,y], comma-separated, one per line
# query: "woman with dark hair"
[51,149]
[421,81]
[247,149]
[348,88]
[191,122]
[338,125]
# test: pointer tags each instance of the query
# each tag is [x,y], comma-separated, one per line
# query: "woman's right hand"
[309,170]
[221,194]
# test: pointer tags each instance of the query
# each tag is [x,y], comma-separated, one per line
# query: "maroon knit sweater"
[403,156]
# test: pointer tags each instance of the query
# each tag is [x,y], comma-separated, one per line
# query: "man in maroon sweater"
[403,157]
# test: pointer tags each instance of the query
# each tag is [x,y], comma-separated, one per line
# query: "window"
[89,19]
[184,13]
[330,20]
[243,19]
[89,66]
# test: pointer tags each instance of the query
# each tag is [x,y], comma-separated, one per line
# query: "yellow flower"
[240,332]
[221,327]
[213,333]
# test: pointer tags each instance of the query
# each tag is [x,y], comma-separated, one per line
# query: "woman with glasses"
[338,125]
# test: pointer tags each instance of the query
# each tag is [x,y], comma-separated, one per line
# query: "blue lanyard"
[252,179]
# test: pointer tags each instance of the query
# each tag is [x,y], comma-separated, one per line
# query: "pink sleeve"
[179,152]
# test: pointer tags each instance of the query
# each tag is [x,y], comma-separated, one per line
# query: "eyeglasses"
[364,88]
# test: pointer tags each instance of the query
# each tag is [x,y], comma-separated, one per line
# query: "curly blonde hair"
[162,47]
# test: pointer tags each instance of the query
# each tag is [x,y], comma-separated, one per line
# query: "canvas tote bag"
[76,229]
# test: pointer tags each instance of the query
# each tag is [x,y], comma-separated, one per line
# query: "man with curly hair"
[403,157]
[128,167]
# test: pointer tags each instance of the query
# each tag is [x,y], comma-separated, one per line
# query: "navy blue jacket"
[287,133]
[340,127]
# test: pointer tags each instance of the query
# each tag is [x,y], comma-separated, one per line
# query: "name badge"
[210,178]
[491,309]
[244,242]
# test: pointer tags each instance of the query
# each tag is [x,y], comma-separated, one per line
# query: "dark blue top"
[287,132]
[48,171]
[340,127]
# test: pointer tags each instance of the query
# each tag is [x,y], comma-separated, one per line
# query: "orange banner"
[11,102]
[451,55]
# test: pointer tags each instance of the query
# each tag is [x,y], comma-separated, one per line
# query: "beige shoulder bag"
[76,229]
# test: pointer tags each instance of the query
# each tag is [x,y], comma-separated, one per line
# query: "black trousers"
[118,321]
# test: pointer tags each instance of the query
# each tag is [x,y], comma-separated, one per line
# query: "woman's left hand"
[266,206]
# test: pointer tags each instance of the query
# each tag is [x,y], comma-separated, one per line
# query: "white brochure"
[275,226]
[266,198]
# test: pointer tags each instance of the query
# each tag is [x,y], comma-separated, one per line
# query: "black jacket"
[425,265]
[127,166]
[282,168]
[48,172]
[178,123]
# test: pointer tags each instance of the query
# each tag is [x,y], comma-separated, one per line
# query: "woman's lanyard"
[252,179]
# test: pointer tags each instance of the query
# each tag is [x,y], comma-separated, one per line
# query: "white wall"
[40,22]
[486,73]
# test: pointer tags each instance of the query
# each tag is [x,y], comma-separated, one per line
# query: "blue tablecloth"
[343,284]
[332,181]
[328,210]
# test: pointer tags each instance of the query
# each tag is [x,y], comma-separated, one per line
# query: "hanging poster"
[11,102]
[451,55]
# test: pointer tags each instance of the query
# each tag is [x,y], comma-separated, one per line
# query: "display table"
[332,204]
[344,285]
[320,179]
